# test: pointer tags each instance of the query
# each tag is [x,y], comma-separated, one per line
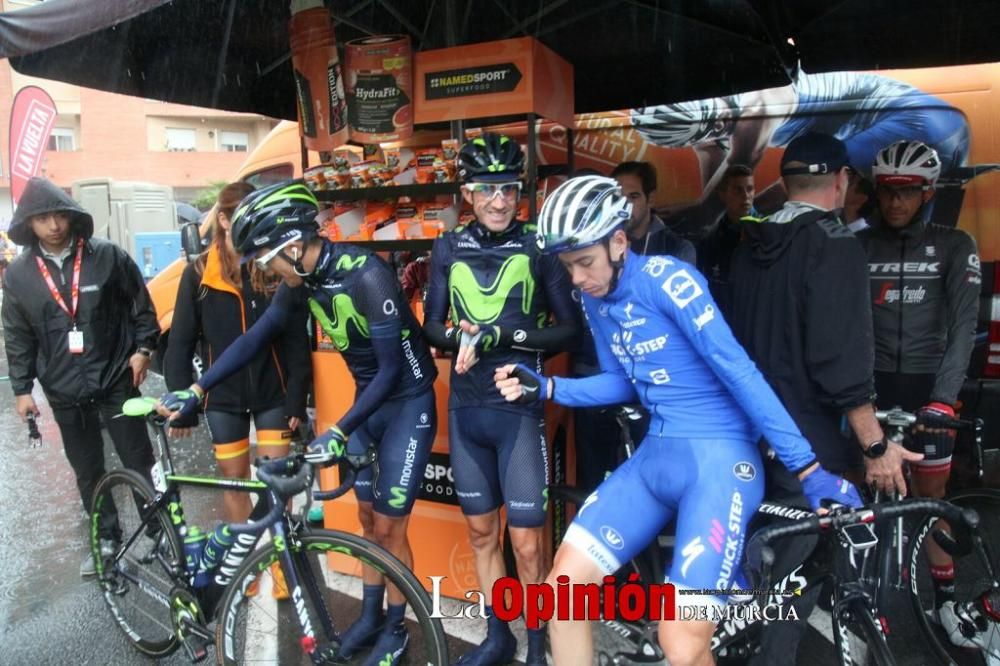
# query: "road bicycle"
[977,592]
[163,599]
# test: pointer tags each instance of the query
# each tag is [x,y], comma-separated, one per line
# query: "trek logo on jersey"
[745,471]
[612,537]
[681,288]
[889,294]
[702,320]
[655,266]
[690,553]
[914,267]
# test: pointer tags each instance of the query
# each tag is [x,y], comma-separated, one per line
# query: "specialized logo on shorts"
[655,266]
[708,315]
[681,288]
[612,537]
[690,553]
[591,498]
[744,471]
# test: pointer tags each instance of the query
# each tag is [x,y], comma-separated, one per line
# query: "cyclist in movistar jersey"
[355,297]
[661,339]
[489,280]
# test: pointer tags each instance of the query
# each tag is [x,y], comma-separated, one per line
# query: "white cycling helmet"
[907,163]
[682,124]
[581,212]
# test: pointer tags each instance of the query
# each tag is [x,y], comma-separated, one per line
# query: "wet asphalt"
[49,615]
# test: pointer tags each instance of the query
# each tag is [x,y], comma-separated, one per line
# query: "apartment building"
[99,134]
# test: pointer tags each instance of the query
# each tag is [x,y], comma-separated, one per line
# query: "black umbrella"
[234,54]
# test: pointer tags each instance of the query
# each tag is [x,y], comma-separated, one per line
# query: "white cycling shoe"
[960,627]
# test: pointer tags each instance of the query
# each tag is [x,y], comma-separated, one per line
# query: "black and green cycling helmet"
[274,216]
[490,157]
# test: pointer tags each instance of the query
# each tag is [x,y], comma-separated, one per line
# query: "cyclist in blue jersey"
[661,339]
[488,280]
[354,296]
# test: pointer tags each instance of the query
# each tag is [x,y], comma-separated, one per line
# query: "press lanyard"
[74,290]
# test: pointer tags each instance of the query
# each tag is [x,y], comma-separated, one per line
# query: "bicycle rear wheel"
[859,638]
[971,580]
[253,626]
[136,584]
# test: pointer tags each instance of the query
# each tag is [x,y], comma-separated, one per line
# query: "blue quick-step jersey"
[355,297]
[660,337]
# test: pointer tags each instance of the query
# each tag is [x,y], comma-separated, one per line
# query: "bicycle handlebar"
[899,418]
[355,463]
[268,471]
[759,554]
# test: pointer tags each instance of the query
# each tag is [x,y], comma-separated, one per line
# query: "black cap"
[814,154]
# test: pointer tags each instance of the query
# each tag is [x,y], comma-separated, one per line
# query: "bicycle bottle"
[218,542]
[194,547]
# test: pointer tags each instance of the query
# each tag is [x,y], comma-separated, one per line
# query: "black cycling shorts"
[911,392]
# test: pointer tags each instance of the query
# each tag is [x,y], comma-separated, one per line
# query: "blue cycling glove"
[184,401]
[330,446]
[821,484]
[534,387]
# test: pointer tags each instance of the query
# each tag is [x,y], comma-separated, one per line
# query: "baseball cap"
[814,154]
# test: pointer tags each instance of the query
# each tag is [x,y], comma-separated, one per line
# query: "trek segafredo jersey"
[660,336]
[353,294]
[496,279]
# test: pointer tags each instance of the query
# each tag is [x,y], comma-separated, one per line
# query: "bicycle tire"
[970,579]
[137,588]
[856,625]
[271,630]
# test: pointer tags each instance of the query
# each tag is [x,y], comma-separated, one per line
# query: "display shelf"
[391,192]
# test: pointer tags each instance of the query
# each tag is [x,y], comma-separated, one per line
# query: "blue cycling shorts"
[402,431]
[712,486]
[500,457]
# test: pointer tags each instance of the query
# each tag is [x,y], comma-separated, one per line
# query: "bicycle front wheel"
[859,638]
[137,583]
[254,626]
[971,637]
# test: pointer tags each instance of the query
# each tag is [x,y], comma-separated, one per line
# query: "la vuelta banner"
[31,120]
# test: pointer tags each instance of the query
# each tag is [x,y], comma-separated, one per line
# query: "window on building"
[234,142]
[180,139]
[62,139]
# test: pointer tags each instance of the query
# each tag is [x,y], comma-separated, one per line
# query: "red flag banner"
[31,120]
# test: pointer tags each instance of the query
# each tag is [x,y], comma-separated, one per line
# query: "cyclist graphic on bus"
[866,111]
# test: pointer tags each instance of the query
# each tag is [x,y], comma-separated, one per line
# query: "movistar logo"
[344,312]
[485,304]
[398,500]
[346,263]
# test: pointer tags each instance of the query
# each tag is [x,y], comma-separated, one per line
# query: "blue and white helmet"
[581,212]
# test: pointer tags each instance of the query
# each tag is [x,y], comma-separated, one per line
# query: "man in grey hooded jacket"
[77,317]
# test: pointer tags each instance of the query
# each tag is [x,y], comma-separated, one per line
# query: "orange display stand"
[437,529]
[502,78]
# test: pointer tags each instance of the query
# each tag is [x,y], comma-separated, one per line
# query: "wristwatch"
[876,449]
[145,351]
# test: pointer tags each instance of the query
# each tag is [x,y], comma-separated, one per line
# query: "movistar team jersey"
[350,293]
[660,336]
[495,280]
